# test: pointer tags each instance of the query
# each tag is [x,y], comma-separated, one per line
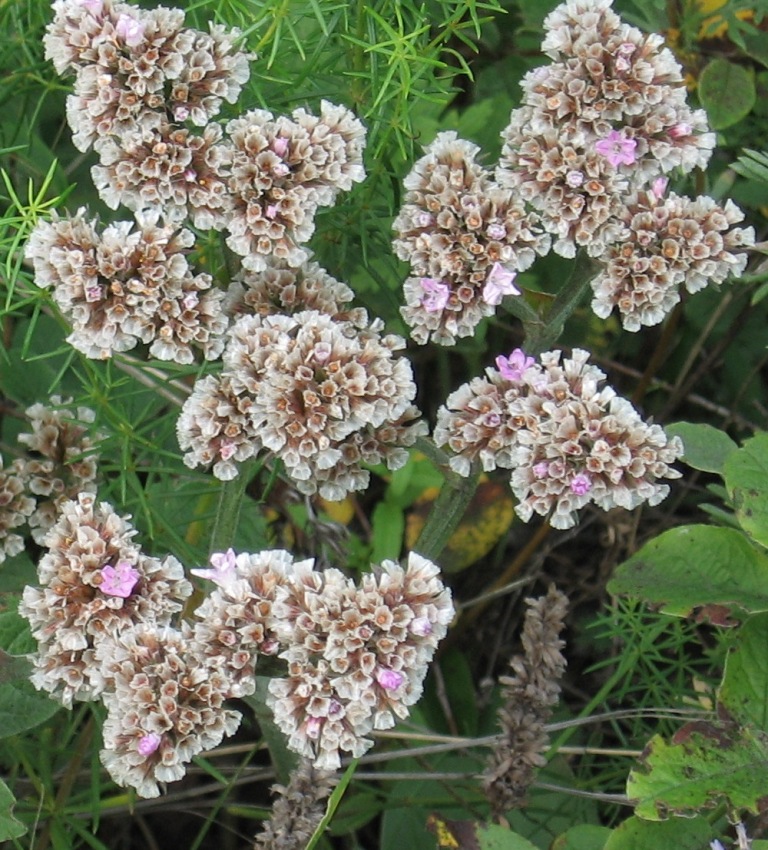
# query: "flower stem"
[446,514]
[228,513]
[542,335]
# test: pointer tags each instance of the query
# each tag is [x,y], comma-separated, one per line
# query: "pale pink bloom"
[390,680]
[581,485]
[617,149]
[130,30]
[574,179]
[497,231]
[424,219]
[659,187]
[271,210]
[541,469]
[92,293]
[190,175]
[280,169]
[119,580]
[181,112]
[280,146]
[93,6]
[680,131]
[499,284]
[148,744]
[322,351]
[224,568]
[227,449]
[435,294]
[314,725]
[420,626]
[512,367]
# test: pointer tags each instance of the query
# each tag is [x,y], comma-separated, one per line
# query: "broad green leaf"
[470,835]
[388,522]
[678,833]
[727,92]
[9,826]
[585,836]
[707,764]
[705,448]
[21,706]
[744,691]
[746,477]
[694,566]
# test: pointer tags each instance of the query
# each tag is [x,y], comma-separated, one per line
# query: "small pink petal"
[224,567]
[659,187]
[541,469]
[680,131]
[271,210]
[280,146]
[119,580]
[436,294]
[498,284]
[581,485]
[130,30]
[314,725]
[420,626]
[617,149]
[513,367]
[148,744]
[390,680]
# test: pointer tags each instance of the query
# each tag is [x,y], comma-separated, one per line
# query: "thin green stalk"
[541,335]
[228,513]
[446,514]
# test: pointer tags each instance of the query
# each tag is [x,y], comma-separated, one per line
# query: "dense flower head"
[310,389]
[667,244]
[62,458]
[164,706]
[95,582]
[127,285]
[235,624]
[280,288]
[136,68]
[464,237]
[356,656]
[280,170]
[567,441]
[605,117]
[16,506]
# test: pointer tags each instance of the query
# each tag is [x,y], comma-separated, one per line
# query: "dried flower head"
[95,582]
[318,393]
[164,706]
[607,116]
[62,460]
[464,238]
[127,285]
[567,442]
[666,244]
[529,696]
[357,656]
[16,506]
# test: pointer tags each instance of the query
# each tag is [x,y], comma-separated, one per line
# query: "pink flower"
[512,367]
[148,744]
[499,284]
[497,231]
[390,680]
[130,30]
[180,112]
[92,293]
[420,626]
[119,580]
[224,568]
[581,485]
[541,469]
[659,187]
[436,294]
[314,725]
[280,146]
[271,210]
[680,131]
[617,149]
[574,178]
[95,7]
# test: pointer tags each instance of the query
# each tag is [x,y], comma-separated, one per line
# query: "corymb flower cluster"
[584,165]
[568,441]
[107,620]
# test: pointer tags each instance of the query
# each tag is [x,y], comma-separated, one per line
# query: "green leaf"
[727,92]
[496,837]
[708,763]
[9,826]
[470,835]
[746,477]
[21,706]
[680,833]
[744,691]
[388,524]
[705,448]
[694,566]
[585,836]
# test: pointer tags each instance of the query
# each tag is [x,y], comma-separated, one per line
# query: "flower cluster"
[16,506]
[666,244]
[465,238]
[324,395]
[567,441]
[127,285]
[62,459]
[106,619]
[606,117]
[96,582]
